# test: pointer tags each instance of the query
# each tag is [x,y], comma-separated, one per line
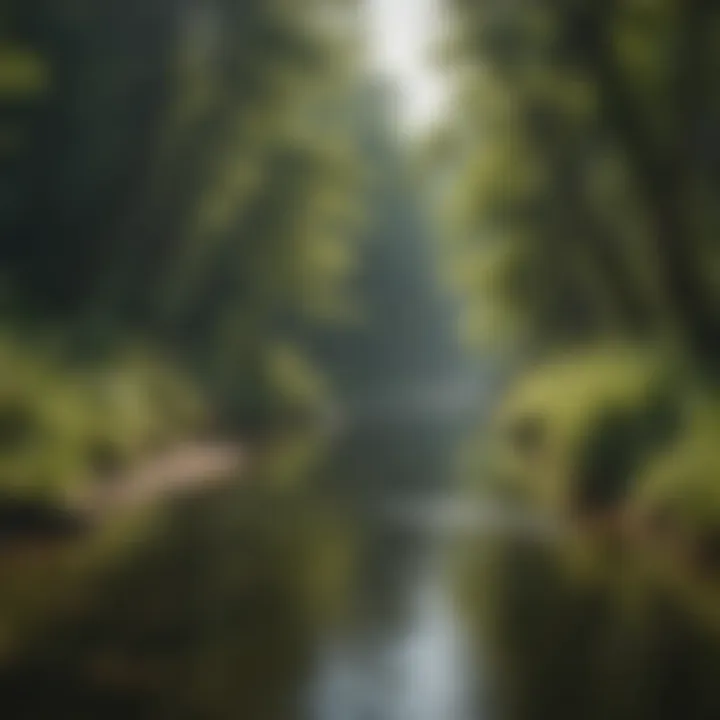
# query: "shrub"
[575,431]
[133,406]
[62,426]
[677,497]
[40,426]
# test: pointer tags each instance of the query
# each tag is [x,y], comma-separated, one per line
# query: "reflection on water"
[320,602]
[401,654]
[418,669]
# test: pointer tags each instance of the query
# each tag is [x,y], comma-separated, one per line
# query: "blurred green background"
[239,223]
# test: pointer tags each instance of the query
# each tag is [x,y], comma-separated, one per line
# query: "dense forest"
[210,223]
[458,379]
[584,224]
[180,195]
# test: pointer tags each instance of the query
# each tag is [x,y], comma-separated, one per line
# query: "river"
[363,591]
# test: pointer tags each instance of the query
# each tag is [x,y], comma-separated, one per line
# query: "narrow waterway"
[356,593]
[402,654]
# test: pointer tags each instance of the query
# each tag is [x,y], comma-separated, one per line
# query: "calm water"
[361,592]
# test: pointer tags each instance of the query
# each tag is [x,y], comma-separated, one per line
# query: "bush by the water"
[62,426]
[616,434]
[677,495]
[575,432]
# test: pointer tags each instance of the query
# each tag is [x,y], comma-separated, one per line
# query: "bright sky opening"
[401,37]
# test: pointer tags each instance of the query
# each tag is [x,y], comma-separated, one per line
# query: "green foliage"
[677,495]
[134,405]
[584,214]
[183,176]
[279,386]
[61,428]
[576,432]
[585,202]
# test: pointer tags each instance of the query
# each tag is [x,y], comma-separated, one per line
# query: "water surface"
[374,588]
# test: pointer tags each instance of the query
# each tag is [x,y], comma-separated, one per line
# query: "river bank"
[182,468]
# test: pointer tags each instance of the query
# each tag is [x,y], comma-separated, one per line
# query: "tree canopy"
[587,207]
